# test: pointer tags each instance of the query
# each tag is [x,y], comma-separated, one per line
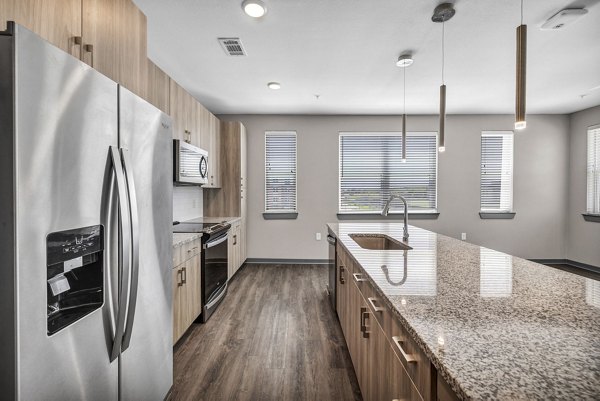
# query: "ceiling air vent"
[232,46]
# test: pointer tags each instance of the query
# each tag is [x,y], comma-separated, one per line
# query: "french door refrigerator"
[85,231]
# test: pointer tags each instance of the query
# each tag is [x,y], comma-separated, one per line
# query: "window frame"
[499,213]
[281,213]
[371,214]
[590,213]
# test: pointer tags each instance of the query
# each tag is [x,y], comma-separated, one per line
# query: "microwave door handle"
[135,247]
[124,252]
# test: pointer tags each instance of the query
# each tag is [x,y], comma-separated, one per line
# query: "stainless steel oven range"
[213,269]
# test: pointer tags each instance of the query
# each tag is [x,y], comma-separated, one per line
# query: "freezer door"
[146,144]
[66,120]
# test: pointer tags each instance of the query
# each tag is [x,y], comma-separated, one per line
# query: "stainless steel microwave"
[190,164]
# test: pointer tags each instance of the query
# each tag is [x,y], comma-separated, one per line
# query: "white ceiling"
[345,51]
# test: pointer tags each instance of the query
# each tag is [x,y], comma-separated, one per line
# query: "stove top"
[194,227]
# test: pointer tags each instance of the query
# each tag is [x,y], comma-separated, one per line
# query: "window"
[371,169]
[593,170]
[497,171]
[280,172]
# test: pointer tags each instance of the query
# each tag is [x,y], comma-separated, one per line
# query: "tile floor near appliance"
[274,337]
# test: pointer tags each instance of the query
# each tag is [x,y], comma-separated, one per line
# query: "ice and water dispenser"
[74,274]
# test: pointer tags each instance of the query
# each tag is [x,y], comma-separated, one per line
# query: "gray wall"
[583,238]
[540,182]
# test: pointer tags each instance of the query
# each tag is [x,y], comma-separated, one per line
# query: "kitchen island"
[492,326]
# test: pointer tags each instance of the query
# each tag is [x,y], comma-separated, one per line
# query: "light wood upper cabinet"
[58,21]
[179,111]
[114,42]
[132,48]
[158,87]
[109,35]
[231,199]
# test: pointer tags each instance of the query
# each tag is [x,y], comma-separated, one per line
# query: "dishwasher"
[331,287]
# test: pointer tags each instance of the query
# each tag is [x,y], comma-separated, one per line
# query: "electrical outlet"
[463,236]
[318,236]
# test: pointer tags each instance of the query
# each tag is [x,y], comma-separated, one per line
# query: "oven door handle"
[216,241]
[217,298]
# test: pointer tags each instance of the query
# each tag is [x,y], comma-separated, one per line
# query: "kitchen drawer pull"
[407,357]
[184,275]
[364,315]
[179,278]
[375,308]
[342,279]
[358,277]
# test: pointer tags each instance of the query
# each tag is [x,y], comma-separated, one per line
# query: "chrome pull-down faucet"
[386,210]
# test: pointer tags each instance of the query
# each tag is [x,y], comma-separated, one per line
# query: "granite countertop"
[183,238]
[497,327]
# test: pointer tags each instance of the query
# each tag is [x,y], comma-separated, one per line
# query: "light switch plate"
[463,236]
[318,236]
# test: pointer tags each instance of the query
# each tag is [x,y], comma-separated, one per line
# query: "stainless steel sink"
[379,242]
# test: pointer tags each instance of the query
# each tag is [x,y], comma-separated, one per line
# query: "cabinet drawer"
[414,360]
[190,250]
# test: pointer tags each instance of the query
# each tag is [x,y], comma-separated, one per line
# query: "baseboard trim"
[268,261]
[569,262]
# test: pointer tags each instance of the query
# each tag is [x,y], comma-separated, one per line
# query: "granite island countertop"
[497,327]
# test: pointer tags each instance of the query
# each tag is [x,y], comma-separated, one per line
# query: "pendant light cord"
[443,34]
[521,12]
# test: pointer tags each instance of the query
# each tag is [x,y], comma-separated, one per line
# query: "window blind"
[371,169]
[593,170]
[497,171]
[280,171]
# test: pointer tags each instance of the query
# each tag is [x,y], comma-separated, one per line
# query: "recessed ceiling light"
[405,60]
[274,85]
[254,8]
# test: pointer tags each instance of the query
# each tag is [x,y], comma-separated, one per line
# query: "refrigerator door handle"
[124,251]
[135,247]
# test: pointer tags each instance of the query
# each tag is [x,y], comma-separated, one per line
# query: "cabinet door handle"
[90,49]
[235,240]
[358,277]
[179,278]
[78,41]
[342,279]
[407,357]
[364,315]
[375,307]
[184,275]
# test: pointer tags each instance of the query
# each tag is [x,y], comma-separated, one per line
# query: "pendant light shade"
[403,138]
[442,145]
[520,122]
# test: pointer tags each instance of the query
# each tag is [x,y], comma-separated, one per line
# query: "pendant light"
[404,61]
[443,13]
[520,97]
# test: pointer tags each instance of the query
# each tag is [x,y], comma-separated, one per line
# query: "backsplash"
[187,203]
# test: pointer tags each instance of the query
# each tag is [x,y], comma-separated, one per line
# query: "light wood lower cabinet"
[235,252]
[380,373]
[187,288]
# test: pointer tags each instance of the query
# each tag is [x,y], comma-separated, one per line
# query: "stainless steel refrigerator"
[85,231]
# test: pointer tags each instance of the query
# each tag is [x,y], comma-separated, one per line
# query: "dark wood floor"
[275,337]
